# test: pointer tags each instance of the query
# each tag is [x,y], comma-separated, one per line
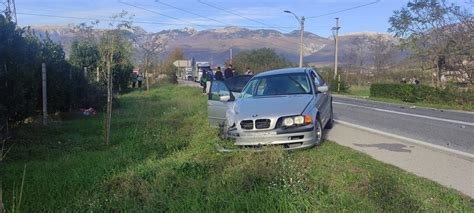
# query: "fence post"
[45,99]
[98,74]
[338,83]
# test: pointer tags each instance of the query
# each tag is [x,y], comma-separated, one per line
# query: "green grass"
[162,158]
[364,92]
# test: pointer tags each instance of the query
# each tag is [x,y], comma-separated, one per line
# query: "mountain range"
[214,44]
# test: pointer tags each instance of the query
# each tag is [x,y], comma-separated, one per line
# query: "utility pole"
[45,98]
[336,51]
[301,42]
[230,55]
[301,21]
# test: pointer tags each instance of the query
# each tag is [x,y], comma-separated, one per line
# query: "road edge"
[397,104]
[464,155]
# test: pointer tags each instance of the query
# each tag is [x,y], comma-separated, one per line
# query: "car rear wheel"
[318,137]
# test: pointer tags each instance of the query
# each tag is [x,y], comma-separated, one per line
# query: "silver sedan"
[287,108]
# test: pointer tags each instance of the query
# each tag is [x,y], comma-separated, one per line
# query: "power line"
[250,19]
[152,11]
[344,10]
[92,19]
[212,19]
[106,18]
[186,11]
[132,5]
[141,22]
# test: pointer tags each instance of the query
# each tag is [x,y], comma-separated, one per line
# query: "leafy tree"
[438,33]
[168,67]
[259,60]
[85,53]
[20,76]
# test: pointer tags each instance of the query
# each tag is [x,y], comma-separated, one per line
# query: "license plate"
[257,134]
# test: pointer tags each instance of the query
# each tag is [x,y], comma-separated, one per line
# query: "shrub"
[422,93]
[344,86]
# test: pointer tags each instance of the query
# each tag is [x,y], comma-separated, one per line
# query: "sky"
[153,15]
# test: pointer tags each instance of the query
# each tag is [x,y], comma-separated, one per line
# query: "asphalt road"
[450,129]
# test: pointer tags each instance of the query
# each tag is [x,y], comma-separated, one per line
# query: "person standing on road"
[414,80]
[134,77]
[249,72]
[403,81]
[218,74]
[140,80]
[228,72]
[204,80]
[234,72]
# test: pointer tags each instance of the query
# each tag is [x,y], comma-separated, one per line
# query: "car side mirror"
[225,98]
[323,88]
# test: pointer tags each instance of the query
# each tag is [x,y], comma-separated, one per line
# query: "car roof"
[283,71]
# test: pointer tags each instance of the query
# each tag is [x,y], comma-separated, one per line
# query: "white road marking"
[465,155]
[408,114]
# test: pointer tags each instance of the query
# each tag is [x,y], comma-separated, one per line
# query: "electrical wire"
[344,10]
[215,20]
[236,14]
[270,43]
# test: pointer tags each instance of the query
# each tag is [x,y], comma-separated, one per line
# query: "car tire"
[330,122]
[319,134]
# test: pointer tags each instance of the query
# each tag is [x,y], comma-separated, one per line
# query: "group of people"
[209,76]
[137,78]
[412,80]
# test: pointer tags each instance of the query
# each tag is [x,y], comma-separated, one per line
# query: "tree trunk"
[108,118]
[146,72]
[438,73]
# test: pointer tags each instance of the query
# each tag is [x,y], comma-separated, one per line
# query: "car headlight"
[299,120]
[288,121]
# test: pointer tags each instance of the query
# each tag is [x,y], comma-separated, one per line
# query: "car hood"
[270,107]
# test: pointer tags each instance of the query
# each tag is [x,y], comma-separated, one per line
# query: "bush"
[344,86]
[329,77]
[422,93]
[21,56]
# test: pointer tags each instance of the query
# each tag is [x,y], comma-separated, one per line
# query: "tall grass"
[162,158]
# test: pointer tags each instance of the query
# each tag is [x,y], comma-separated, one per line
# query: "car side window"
[249,89]
[218,89]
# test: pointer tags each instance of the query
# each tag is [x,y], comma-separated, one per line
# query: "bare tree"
[109,46]
[152,46]
[356,57]
[382,52]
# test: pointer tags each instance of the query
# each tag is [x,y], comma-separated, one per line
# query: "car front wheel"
[318,135]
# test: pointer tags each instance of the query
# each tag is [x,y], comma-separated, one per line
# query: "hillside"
[214,44]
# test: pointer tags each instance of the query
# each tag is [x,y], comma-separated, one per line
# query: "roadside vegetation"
[162,158]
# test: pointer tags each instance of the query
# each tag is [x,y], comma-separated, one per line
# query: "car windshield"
[283,84]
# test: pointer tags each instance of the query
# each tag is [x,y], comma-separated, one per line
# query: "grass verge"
[364,92]
[162,158]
